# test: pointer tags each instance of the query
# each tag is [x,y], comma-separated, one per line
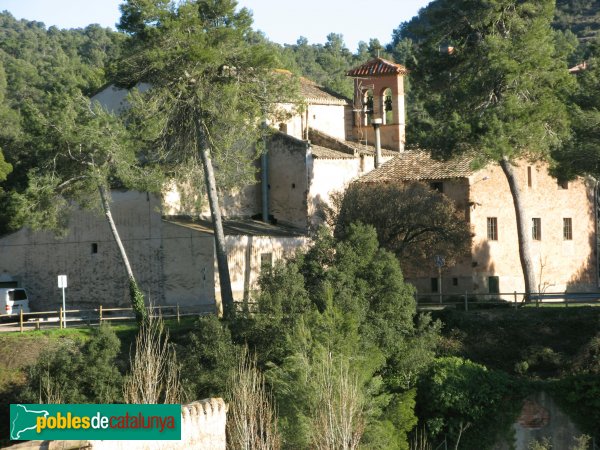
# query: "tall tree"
[495,88]
[211,86]
[84,151]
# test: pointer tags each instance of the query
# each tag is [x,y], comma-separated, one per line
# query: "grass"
[20,350]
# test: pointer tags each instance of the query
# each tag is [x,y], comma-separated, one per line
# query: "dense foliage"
[39,67]
[413,221]
[78,373]
[466,403]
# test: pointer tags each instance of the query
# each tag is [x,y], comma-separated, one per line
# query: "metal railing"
[514,299]
[55,319]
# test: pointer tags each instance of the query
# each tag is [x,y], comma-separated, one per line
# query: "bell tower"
[379,94]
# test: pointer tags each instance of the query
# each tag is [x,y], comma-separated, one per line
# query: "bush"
[78,373]
[466,402]
[207,358]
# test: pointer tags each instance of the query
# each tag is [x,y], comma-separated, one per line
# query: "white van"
[13,300]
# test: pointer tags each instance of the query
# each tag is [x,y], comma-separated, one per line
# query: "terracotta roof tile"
[328,153]
[314,93]
[376,67]
[419,165]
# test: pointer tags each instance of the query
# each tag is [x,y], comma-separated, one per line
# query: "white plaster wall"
[329,119]
[329,176]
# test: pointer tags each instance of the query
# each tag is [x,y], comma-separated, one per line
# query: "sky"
[283,21]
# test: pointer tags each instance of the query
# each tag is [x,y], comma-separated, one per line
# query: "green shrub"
[78,373]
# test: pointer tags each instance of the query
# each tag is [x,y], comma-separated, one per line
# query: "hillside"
[582,17]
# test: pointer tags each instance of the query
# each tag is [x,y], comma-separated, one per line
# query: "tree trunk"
[523,231]
[137,299]
[215,212]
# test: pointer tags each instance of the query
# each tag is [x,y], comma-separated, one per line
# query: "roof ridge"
[376,67]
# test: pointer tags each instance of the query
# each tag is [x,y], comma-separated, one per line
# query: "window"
[388,113]
[437,186]
[563,184]
[494,285]
[94,248]
[536,229]
[492,228]
[529,178]
[266,259]
[434,285]
[454,281]
[17,295]
[567,229]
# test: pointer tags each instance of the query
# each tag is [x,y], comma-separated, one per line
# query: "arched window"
[386,107]
[368,106]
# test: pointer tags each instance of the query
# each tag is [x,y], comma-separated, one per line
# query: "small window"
[293,185]
[437,186]
[567,229]
[434,285]
[492,228]
[563,184]
[536,229]
[494,285]
[94,248]
[529,178]
[454,281]
[266,259]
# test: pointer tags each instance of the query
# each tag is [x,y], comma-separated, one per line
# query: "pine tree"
[493,88]
[211,88]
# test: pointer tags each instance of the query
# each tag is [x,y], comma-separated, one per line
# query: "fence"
[512,299]
[53,319]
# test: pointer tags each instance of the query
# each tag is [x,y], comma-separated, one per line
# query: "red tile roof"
[315,94]
[377,67]
[419,165]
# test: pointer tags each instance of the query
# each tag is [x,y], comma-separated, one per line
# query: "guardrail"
[514,299]
[101,315]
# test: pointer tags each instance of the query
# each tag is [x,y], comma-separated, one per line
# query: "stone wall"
[560,264]
[89,256]
[288,180]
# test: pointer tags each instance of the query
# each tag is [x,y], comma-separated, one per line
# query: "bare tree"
[154,373]
[338,420]
[252,421]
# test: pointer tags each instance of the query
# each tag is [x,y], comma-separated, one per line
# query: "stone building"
[561,217]
[310,156]
[171,247]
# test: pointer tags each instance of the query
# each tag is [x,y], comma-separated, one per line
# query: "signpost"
[439,262]
[62,284]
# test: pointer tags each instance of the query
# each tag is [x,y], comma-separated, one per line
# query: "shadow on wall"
[483,268]
[585,278]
